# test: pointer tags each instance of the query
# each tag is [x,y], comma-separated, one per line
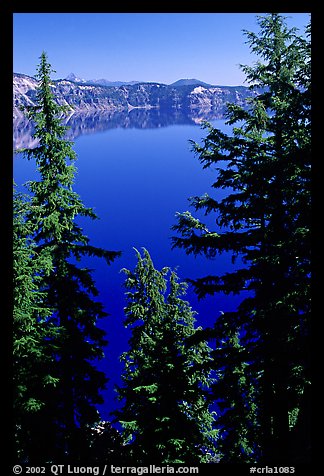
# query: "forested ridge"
[246,399]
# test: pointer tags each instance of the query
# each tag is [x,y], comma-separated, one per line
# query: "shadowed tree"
[69,289]
[165,413]
[264,222]
[30,355]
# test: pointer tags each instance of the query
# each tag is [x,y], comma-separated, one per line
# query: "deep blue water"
[136,180]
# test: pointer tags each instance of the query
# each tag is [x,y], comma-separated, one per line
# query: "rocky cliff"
[89,98]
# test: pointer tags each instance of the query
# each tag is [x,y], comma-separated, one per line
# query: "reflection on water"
[136,118]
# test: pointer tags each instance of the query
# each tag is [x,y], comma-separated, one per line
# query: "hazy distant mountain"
[75,79]
[190,82]
[105,82]
[98,82]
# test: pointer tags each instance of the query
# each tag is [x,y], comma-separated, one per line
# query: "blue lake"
[136,179]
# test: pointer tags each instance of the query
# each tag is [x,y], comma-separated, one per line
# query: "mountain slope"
[190,82]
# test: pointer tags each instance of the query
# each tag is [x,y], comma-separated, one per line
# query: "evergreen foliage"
[264,222]
[68,290]
[165,414]
[30,359]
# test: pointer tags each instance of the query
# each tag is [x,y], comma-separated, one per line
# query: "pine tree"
[236,391]
[69,289]
[30,359]
[264,222]
[165,414]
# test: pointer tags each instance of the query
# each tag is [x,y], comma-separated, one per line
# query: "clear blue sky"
[162,47]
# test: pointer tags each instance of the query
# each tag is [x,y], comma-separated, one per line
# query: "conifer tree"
[69,289]
[264,222]
[165,413]
[30,358]
[236,391]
